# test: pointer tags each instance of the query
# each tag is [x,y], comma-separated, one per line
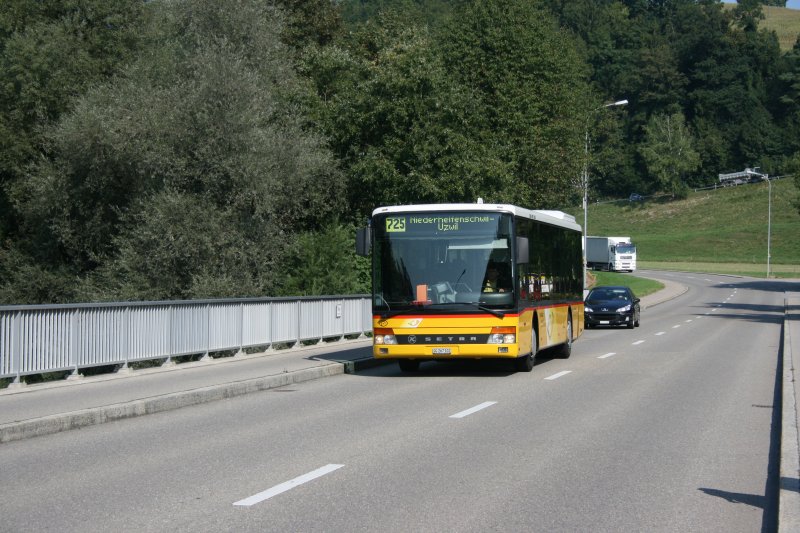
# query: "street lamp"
[769,219]
[586,180]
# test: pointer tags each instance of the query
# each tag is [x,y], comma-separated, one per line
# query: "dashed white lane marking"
[558,375]
[607,355]
[637,342]
[472,410]
[283,487]
[660,333]
[688,320]
[676,326]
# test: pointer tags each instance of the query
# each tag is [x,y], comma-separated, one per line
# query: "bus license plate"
[441,351]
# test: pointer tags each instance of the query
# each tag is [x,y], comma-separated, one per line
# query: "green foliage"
[50,52]
[640,286]
[190,172]
[478,108]
[532,97]
[431,12]
[183,246]
[310,22]
[23,280]
[396,119]
[324,263]
[668,151]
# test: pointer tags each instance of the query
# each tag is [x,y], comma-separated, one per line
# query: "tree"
[396,118]
[532,96]
[323,263]
[191,172]
[51,52]
[668,150]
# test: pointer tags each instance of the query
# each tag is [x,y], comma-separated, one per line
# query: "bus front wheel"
[566,349]
[525,363]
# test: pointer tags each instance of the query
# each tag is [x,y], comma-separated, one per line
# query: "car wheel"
[630,324]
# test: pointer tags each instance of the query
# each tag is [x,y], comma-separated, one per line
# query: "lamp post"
[585,181]
[769,220]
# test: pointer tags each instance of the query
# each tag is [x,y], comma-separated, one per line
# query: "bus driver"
[492,283]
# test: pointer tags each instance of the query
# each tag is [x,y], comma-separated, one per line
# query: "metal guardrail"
[36,339]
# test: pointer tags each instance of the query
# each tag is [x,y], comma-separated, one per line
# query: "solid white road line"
[283,487]
[558,375]
[475,409]
[607,355]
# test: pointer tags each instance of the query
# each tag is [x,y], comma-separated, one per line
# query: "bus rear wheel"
[408,365]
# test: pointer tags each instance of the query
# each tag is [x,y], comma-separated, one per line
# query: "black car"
[611,306]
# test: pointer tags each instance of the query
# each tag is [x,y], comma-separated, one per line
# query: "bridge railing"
[36,339]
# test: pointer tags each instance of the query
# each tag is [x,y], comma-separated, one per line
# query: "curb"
[789,486]
[99,415]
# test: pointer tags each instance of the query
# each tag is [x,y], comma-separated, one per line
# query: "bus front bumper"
[476,351]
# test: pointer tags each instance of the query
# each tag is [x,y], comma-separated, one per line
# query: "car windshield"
[609,294]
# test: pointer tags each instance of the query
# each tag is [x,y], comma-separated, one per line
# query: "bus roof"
[554,218]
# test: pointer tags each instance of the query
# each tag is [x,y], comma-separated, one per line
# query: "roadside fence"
[37,339]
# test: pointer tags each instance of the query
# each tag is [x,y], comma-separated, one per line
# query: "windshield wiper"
[495,312]
[389,313]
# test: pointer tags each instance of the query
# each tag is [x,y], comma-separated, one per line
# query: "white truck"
[615,254]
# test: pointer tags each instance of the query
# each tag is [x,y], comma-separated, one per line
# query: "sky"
[793,4]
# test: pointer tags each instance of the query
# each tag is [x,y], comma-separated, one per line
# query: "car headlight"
[587,309]
[624,309]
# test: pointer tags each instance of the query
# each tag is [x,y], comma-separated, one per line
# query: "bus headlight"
[385,336]
[503,335]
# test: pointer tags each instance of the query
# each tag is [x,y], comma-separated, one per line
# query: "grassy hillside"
[785,22]
[722,230]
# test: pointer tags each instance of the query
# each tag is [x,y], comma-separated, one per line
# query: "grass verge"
[639,286]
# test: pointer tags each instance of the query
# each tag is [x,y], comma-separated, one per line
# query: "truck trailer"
[615,254]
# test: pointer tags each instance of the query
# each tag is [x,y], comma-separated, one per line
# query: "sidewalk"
[789,498]
[46,408]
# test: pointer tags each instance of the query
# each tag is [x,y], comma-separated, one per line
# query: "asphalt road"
[667,427]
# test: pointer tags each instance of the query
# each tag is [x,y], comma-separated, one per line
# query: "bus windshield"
[443,261]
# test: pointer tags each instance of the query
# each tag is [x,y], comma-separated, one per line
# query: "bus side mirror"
[523,253]
[363,241]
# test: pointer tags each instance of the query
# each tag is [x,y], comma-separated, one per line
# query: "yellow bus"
[473,281]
